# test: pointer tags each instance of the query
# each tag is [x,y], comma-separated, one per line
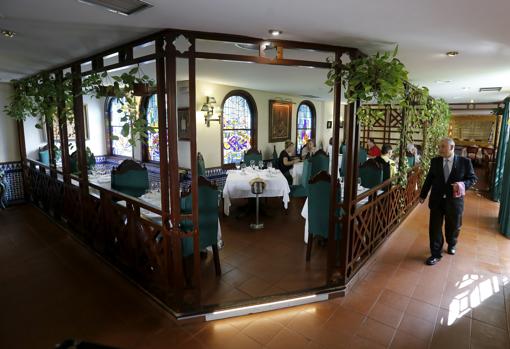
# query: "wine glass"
[270,166]
[261,165]
[252,164]
[238,165]
[243,167]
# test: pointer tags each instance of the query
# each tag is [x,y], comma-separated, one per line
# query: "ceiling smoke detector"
[489,89]
[120,7]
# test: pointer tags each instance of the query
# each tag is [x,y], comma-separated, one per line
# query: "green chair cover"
[44,157]
[371,174]
[411,161]
[130,178]
[362,156]
[252,155]
[320,162]
[73,161]
[301,190]
[207,221]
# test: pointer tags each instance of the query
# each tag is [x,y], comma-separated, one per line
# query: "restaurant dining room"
[220,177]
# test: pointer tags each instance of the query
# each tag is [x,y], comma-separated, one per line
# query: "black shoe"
[451,250]
[432,260]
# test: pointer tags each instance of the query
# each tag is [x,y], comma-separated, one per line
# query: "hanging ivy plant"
[378,78]
[38,96]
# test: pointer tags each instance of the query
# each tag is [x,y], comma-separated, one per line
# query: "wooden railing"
[373,222]
[111,224]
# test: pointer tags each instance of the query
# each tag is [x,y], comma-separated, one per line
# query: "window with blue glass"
[153,137]
[119,144]
[238,132]
[305,124]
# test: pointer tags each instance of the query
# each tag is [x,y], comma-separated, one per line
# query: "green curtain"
[504,214]
[499,170]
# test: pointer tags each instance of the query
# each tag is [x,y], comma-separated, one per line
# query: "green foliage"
[39,96]
[379,78]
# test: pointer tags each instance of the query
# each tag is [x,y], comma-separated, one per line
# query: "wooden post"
[62,127]
[51,146]
[80,130]
[23,156]
[333,219]
[175,214]
[194,165]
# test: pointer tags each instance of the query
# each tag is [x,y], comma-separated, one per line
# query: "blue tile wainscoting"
[14,179]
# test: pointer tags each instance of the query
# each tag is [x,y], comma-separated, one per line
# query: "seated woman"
[373,149]
[413,151]
[308,149]
[286,160]
[389,166]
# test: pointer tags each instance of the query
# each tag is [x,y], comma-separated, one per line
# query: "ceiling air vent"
[121,7]
[489,89]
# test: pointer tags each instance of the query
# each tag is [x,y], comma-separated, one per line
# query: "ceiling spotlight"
[452,53]
[275,32]
[8,33]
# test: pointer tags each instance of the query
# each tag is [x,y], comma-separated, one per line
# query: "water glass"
[261,165]
[252,164]
[238,165]
[270,166]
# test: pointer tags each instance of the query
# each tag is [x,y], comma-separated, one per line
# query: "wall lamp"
[208,109]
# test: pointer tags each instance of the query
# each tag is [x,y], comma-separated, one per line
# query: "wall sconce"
[208,109]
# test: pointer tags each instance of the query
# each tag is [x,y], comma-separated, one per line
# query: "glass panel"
[153,137]
[120,146]
[305,117]
[236,113]
[153,143]
[116,113]
[235,143]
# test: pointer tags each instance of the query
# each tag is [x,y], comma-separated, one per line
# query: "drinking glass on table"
[270,166]
[238,165]
[252,164]
[261,165]
[243,167]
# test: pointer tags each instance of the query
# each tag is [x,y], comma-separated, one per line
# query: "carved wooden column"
[62,127]
[79,129]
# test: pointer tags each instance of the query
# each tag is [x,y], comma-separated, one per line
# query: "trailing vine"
[39,97]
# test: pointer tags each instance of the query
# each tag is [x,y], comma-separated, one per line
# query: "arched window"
[119,144]
[305,124]
[152,147]
[238,130]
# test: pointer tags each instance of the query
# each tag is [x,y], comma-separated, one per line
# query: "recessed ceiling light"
[489,89]
[8,33]
[452,53]
[275,32]
[472,101]
[443,81]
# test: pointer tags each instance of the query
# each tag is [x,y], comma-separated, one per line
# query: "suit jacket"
[462,171]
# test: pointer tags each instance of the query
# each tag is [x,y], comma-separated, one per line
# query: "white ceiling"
[52,32]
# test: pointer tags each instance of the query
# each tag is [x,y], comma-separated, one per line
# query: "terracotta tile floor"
[51,288]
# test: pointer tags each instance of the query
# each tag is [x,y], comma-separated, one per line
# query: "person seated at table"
[389,166]
[413,151]
[286,160]
[373,149]
[308,149]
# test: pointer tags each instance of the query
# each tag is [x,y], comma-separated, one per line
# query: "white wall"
[209,138]
[9,145]
[96,125]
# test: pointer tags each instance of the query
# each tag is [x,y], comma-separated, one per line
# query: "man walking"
[448,178]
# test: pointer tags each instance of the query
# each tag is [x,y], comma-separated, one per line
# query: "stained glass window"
[237,130]
[121,145]
[305,124]
[153,137]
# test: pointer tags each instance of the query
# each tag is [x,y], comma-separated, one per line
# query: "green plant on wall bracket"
[378,78]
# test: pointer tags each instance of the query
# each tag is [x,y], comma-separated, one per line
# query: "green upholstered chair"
[301,190]
[44,155]
[411,160]
[207,221]
[362,156]
[200,164]
[73,161]
[371,174]
[130,178]
[320,162]
[252,154]
[319,189]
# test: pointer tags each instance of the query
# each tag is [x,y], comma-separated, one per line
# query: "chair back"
[200,164]
[411,160]
[207,217]
[252,154]
[362,156]
[319,189]
[371,174]
[320,162]
[73,161]
[472,150]
[44,156]
[307,173]
[130,178]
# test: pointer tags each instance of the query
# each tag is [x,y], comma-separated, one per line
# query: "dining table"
[237,185]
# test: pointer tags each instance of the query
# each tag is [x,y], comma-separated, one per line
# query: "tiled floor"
[51,288]
[261,262]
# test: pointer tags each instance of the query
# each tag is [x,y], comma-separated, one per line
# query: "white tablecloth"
[297,170]
[238,186]
[304,211]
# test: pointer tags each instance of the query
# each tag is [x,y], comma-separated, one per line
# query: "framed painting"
[280,118]
[183,123]
[71,132]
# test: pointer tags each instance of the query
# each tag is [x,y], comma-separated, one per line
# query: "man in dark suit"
[449,176]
